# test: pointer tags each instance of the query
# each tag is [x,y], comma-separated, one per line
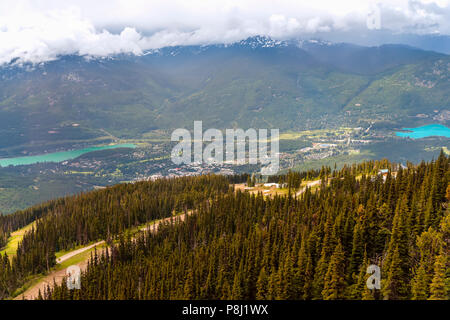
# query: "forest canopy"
[236,245]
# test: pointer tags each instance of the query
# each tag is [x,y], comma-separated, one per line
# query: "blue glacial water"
[58,156]
[425,131]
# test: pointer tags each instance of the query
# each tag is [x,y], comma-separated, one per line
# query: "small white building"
[270,185]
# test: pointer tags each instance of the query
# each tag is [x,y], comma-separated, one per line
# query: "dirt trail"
[309,184]
[54,277]
[58,276]
[78,251]
[153,227]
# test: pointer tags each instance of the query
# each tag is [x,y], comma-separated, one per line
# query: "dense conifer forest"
[235,245]
[100,215]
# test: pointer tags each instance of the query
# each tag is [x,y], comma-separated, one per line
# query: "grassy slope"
[14,240]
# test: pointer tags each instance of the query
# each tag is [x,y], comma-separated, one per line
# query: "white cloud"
[41,30]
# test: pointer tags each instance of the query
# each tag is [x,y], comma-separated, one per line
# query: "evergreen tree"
[438,286]
[261,285]
[396,286]
[334,284]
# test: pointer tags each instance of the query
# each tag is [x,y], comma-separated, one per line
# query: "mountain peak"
[261,42]
[313,42]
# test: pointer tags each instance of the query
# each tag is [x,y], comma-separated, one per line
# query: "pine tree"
[189,286]
[249,182]
[334,284]
[396,286]
[438,286]
[397,259]
[428,245]
[236,292]
[357,250]
[420,284]
[261,285]
[272,288]
[359,290]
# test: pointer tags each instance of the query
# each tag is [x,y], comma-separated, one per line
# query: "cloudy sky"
[40,30]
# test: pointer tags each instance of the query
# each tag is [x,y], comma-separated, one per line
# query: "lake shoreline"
[57,157]
[431,130]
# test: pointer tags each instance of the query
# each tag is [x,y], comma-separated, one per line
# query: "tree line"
[314,246]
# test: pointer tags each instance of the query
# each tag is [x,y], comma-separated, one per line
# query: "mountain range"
[258,82]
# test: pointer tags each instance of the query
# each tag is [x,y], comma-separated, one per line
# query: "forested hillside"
[315,246]
[101,215]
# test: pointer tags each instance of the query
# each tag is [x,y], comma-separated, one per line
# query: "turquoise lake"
[58,156]
[425,131]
